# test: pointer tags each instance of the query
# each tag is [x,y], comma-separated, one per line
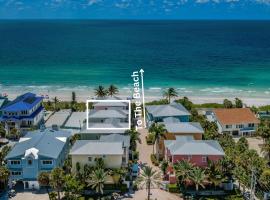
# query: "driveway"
[157,194]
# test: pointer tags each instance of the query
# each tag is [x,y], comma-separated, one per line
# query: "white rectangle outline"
[94,100]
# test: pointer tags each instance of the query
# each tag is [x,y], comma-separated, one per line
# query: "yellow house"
[86,151]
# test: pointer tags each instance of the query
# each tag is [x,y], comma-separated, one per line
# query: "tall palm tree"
[171,92]
[148,178]
[55,102]
[198,177]
[183,169]
[100,91]
[214,173]
[44,180]
[266,148]
[134,138]
[112,90]
[158,131]
[57,180]
[97,180]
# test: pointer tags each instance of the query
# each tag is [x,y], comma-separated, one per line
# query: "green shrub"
[154,160]
[173,188]
[150,139]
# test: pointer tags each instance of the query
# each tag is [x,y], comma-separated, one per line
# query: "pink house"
[198,152]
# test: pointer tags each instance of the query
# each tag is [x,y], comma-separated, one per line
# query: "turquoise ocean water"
[196,57]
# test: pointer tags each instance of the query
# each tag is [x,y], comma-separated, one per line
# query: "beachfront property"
[86,152]
[38,151]
[198,152]
[173,111]
[24,112]
[235,121]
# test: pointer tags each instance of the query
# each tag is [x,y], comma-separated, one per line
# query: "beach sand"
[83,95]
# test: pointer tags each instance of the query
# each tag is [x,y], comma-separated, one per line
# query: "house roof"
[108,113]
[24,102]
[235,116]
[107,103]
[183,127]
[100,128]
[186,145]
[173,109]
[48,143]
[95,147]
[125,139]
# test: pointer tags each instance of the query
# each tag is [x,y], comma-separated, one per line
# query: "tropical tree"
[158,131]
[183,169]
[148,179]
[214,173]
[4,175]
[112,90]
[99,163]
[72,187]
[238,103]
[197,175]
[100,91]
[3,153]
[14,133]
[134,138]
[55,102]
[227,103]
[242,144]
[118,174]
[264,129]
[266,148]
[44,180]
[164,166]
[57,180]
[73,101]
[97,180]
[170,93]
[2,131]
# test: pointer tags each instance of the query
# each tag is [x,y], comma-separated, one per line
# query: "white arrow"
[141,71]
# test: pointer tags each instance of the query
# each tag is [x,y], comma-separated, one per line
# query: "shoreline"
[82,96]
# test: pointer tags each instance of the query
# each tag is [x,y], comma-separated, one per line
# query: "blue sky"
[135,9]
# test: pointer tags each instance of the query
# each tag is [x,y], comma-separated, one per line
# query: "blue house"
[172,112]
[22,113]
[39,151]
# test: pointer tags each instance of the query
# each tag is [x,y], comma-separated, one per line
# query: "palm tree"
[99,163]
[214,173]
[4,174]
[134,138]
[57,180]
[2,131]
[148,178]
[44,180]
[100,91]
[55,102]
[183,169]
[112,90]
[97,180]
[73,101]
[171,92]
[158,131]
[197,175]
[266,148]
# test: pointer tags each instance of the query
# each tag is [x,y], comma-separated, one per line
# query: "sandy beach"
[83,95]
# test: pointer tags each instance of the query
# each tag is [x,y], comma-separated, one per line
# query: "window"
[29,162]
[15,162]
[204,159]
[239,126]
[14,173]
[90,159]
[251,125]
[47,162]
[228,126]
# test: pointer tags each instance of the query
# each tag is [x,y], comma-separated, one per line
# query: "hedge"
[173,188]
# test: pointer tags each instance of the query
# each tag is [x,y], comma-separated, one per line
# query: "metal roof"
[173,109]
[95,147]
[183,127]
[24,102]
[49,143]
[125,139]
[184,145]
[108,113]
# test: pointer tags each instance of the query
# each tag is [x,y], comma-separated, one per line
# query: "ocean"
[208,58]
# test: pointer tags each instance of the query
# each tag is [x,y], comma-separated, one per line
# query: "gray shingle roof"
[125,139]
[187,146]
[173,109]
[96,128]
[183,127]
[95,147]
[49,143]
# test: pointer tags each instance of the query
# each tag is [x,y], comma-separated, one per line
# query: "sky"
[134,9]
